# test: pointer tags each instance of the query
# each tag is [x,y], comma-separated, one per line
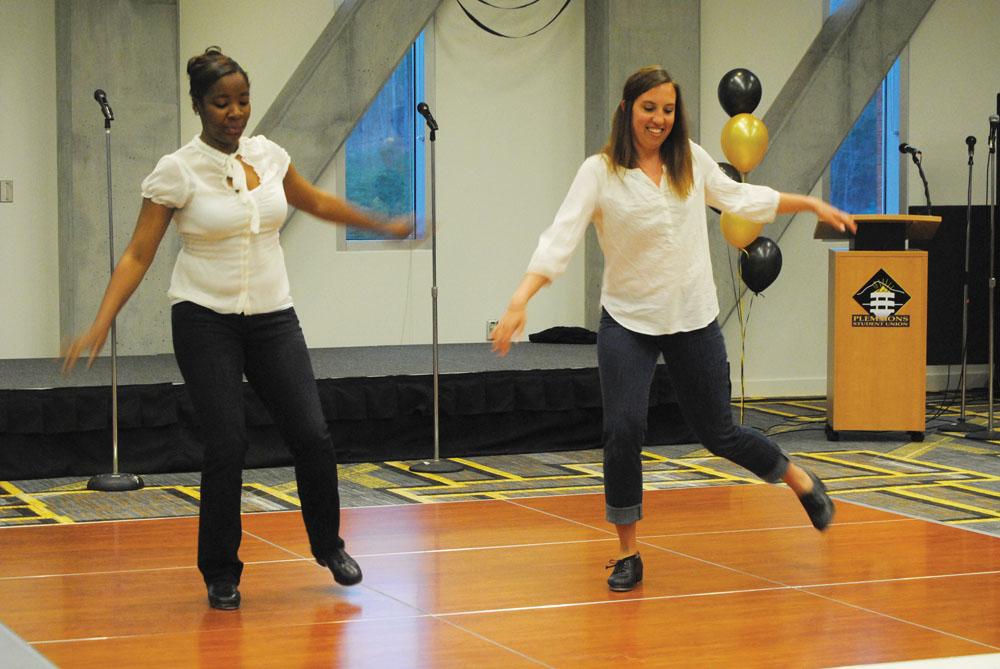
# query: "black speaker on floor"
[945,275]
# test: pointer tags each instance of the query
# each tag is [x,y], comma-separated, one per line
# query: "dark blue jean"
[699,374]
[214,351]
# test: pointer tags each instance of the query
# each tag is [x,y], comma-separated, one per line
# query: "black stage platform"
[378,402]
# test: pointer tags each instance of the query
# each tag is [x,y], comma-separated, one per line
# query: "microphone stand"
[435,465]
[918,161]
[115,481]
[991,190]
[962,425]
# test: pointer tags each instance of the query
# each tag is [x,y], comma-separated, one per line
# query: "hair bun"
[208,67]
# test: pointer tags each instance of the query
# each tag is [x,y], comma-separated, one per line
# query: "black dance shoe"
[345,569]
[627,573]
[818,504]
[224,596]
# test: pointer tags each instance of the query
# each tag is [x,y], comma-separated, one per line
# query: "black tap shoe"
[818,504]
[627,573]
[344,568]
[224,596]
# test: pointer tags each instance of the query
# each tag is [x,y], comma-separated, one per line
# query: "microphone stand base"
[436,467]
[985,435]
[115,482]
[961,426]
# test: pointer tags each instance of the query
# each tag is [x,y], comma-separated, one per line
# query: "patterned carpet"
[947,477]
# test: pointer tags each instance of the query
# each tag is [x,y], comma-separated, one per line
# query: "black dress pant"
[214,351]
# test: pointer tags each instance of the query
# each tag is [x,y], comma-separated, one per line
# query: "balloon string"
[744,324]
[743,350]
[739,317]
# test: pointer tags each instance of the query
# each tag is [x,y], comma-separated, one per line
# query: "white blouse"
[657,264]
[230,260]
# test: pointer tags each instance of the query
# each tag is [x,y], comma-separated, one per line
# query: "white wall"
[510,142]
[268,41]
[29,227]
[786,336]
[512,136]
[953,82]
[954,79]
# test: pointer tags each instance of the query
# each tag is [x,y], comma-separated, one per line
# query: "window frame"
[893,90]
[425,75]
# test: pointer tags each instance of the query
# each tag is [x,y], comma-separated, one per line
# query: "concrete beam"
[821,101]
[340,76]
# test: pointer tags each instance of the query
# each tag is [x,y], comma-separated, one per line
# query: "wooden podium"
[877,327]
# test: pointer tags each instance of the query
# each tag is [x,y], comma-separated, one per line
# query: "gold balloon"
[738,231]
[744,141]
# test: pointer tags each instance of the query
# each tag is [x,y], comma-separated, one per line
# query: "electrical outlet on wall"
[6,190]
[489,329]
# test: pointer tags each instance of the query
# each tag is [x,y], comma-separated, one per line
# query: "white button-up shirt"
[657,264]
[231,260]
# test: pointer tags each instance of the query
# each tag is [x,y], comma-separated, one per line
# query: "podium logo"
[881,298]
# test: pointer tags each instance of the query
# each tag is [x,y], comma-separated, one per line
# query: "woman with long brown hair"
[646,194]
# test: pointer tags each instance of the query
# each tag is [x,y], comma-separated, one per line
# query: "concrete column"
[621,37]
[128,48]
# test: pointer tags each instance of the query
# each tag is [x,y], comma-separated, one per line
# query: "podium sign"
[877,341]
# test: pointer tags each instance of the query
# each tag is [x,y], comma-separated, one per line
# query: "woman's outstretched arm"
[132,266]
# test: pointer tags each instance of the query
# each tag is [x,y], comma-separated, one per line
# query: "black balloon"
[733,174]
[739,91]
[760,264]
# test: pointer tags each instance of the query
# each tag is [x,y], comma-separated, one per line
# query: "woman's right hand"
[92,340]
[511,324]
[509,327]
[138,256]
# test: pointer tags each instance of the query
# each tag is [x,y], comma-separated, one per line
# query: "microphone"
[425,111]
[994,120]
[102,99]
[970,141]
[906,148]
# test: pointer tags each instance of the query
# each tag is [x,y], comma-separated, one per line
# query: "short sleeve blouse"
[230,259]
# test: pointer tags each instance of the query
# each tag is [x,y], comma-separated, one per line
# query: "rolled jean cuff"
[776,474]
[623,516]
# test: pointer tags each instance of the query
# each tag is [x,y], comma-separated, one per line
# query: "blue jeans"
[214,351]
[699,373]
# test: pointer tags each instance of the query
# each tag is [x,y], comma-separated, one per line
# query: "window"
[384,164]
[864,173]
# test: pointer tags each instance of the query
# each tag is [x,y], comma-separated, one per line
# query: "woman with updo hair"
[232,314]
[646,193]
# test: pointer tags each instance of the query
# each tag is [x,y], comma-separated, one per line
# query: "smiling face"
[653,118]
[224,112]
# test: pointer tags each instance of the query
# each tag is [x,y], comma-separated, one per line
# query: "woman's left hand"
[839,220]
[399,227]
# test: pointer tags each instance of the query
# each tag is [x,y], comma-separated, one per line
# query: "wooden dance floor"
[735,576]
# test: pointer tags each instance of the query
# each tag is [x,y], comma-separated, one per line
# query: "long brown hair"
[675,150]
